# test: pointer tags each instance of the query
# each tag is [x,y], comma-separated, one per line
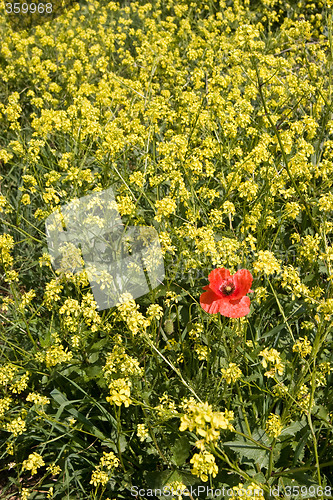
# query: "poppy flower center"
[227,288]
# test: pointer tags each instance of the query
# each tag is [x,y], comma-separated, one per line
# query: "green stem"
[301,469]
[220,453]
[155,442]
[13,291]
[243,410]
[173,368]
[250,438]
[270,466]
[21,231]
[245,417]
[281,310]
[118,436]
[314,439]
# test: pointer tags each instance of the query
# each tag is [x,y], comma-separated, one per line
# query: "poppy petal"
[235,308]
[209,301]
[216,278]
[242,281]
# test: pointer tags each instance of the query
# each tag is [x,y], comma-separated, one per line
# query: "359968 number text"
[31,8]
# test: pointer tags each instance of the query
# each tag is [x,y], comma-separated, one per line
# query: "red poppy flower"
[226,293]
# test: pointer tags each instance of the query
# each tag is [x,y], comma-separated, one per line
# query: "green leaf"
[94,357]
[322,412]
[65,403]
[292,429]
[98,346]
[180,451]
[299,447]
[251,453]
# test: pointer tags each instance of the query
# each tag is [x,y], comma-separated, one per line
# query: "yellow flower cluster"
[280,390]
[73,312]
[71,259]
[123,366]
[52,293]
[203,463]
[89,312]
[33,462]
[232,373]
[17,426]
[303,346]
[126,205]
[120,391]
[325,202]
[177,489]
[4,405]
[309,248]
[70,311]
[303,399]
[266,263]
[272,356]
[292,209]
[166,243]
[260,294]
[9,377]
[324,369]
[53,355]
[171,297]
[20,385]
[154,311]
[165,208]
[195,333]
[129,312]
[120,363]
[26,299]
[25,494]
[326,307]
[201,418]
[228,250]
[37,399]
[7,373]
[201,351]
[6,246]
[54,469]
[167,407]
[5,157]
[109,461]
[99,477]
[3,203]
[142,432]
[274,425]
[292,282]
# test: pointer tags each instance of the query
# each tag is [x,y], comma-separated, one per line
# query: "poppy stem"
[221,328]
